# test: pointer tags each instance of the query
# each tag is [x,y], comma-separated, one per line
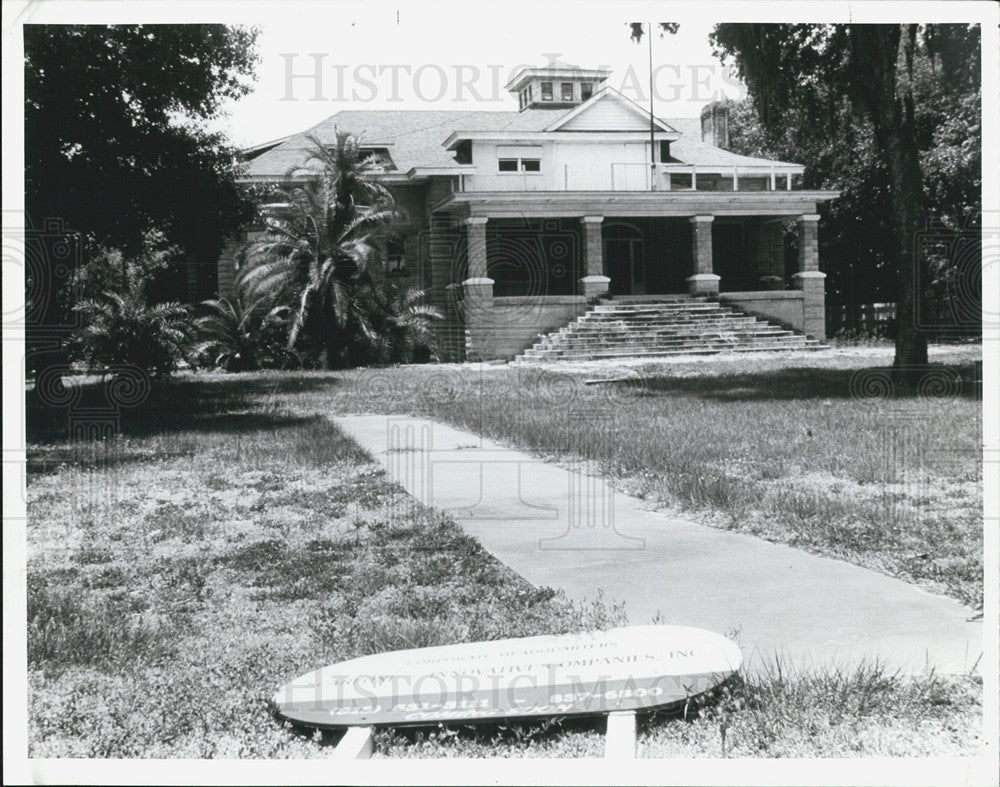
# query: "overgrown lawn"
[820,451]
[230,538]
[169,598]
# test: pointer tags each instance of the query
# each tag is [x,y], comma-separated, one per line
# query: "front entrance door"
[626,265]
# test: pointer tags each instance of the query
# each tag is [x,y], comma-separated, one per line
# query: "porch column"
[594,283]
[441,268]
[809,279]
[477,292]
[226,269]
[703,281]
[475,228]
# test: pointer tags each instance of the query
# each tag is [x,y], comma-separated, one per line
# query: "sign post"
[620,740]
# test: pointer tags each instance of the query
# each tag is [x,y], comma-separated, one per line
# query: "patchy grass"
[821,451]
[230,538]
[866,712]
[164,612]
[783,711]
[65,631]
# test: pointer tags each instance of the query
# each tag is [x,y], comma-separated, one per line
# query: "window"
[519,165]
[519,158]
[586,91]
[665,151]
[380,158]
[546,91]
[567,91]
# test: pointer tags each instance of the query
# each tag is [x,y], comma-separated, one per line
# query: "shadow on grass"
[233,404]
[870,385]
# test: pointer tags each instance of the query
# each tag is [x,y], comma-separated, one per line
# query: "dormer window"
[519,158]
[586,91]
[380,158]
[566,89]
[546,91]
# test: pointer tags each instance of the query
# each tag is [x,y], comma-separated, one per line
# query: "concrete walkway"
[571,531]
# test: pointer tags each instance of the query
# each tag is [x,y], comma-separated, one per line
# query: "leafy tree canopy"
[888,113]
[115,136]
[637,29]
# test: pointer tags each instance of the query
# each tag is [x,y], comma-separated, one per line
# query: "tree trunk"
[875,60]
[908,220]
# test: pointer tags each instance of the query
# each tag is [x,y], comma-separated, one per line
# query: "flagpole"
[652,143]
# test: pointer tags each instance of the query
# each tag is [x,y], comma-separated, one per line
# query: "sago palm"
[239,336]
[402,321]
[321,237]
[121,328]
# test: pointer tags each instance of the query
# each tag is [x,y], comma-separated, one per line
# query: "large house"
[517,222]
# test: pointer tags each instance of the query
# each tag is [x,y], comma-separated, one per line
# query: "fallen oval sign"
[625,669]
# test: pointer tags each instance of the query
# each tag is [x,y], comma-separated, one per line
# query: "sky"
[455,57]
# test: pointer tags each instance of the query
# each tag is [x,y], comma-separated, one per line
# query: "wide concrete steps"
[689,326]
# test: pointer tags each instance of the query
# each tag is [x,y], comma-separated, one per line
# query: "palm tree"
[239,336]
[401,320]
[119,327]
[323,232]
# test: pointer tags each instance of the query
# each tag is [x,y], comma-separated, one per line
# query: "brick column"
[477,291]
[475,228]
[703,281]
[441,263]
[809,242]
[809,279]
[226,267]
[594,283]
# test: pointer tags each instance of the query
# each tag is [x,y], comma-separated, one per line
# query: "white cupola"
[557,85]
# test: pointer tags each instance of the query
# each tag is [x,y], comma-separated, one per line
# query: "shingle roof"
[691,150]
[414,137]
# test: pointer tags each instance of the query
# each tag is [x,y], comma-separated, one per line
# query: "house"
[516,221]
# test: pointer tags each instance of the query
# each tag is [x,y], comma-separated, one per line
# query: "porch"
[525,264]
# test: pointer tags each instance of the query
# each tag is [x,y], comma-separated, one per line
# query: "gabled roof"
[607,94]
[255,150]
[416,137]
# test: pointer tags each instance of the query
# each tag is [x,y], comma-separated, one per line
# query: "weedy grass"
[165,611]
[821,451]
[777,711]
[230,538]
[784,710]
[65,630]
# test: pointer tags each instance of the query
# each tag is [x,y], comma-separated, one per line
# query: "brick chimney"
[715,124]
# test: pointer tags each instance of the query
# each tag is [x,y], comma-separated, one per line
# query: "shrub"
[120,327]
[123,330]
[239,337]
